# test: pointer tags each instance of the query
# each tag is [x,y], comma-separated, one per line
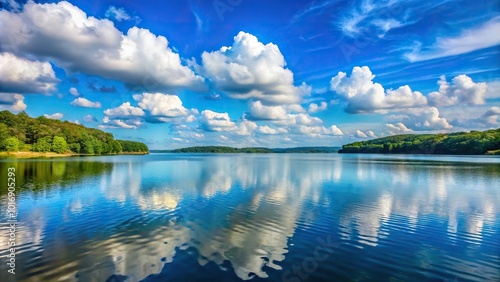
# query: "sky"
[241,73]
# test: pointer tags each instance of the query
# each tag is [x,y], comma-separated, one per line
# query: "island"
[250,150]
[458,143]
[24,136]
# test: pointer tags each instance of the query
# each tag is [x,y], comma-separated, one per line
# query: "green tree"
[59,145]
[43,145]
[11,144]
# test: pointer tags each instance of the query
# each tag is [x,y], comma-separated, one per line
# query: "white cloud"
[213,121]
[12,102]
[89,118]
[118,14]
[335,130]
[18,75]
[54,116]
[266,130]
[124,111]
[371,134]
[161,105]
[314,108]
[73,91]
[463,90]
[82,102]
[251,70]
[315,130]
[258,111]
[363,95]
[426,119]
[246,127]
[128,123]
[360,134]
[82,43]
[397,128]
[469,40]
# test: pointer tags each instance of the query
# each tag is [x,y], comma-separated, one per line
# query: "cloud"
[258,111]
[488,119]
[118,14]
[54,116]
[161,105]
[371,134]
[82,43]
[425,119]
[397,128]
[463,90]
[360,134]
[82,102]
[73,91]
[124,111]
[251,70]
[365,96]
[213,121]
[246,127]
[89,118]
[477,38]
[266,130]
[369,18]
[128,123]
[12,102]
[314,108]
[18,75]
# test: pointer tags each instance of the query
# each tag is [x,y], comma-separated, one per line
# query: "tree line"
[23,133]
[458,143]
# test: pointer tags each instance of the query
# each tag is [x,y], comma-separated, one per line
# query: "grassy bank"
[29,154]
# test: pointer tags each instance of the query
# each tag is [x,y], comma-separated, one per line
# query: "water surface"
[273,217]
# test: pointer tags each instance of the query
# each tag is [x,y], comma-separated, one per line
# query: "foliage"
[459,143]
[47,135]
[59,145]
[11,144]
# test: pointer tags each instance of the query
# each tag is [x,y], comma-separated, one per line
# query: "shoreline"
[33,155]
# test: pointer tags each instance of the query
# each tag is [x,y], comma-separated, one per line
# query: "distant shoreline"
[249,150]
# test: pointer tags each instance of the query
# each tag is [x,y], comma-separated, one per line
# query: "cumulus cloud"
[82,102]
[426,119]
[462,90]
[397,128]
[82,43]
[128,123]
[12,102]
[314,108]
[469,40]
[161,105]
[213,121]
[364,96]
[124,111]
[251,70]
[18,75]
[315,130]
[73,91]
[360,134]
[266,130]
[246,127]
[258,111]
[371,134]
[54,116]
[488,119]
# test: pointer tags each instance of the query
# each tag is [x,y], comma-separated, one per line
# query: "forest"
[458,143]
[23,133]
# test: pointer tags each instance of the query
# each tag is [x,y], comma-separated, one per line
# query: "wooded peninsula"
[22,133]
[458,143]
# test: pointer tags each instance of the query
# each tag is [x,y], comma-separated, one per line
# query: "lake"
[269,217]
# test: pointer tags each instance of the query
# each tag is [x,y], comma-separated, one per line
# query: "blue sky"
[254,73]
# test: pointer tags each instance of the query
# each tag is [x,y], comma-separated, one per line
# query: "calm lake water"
[273,217]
